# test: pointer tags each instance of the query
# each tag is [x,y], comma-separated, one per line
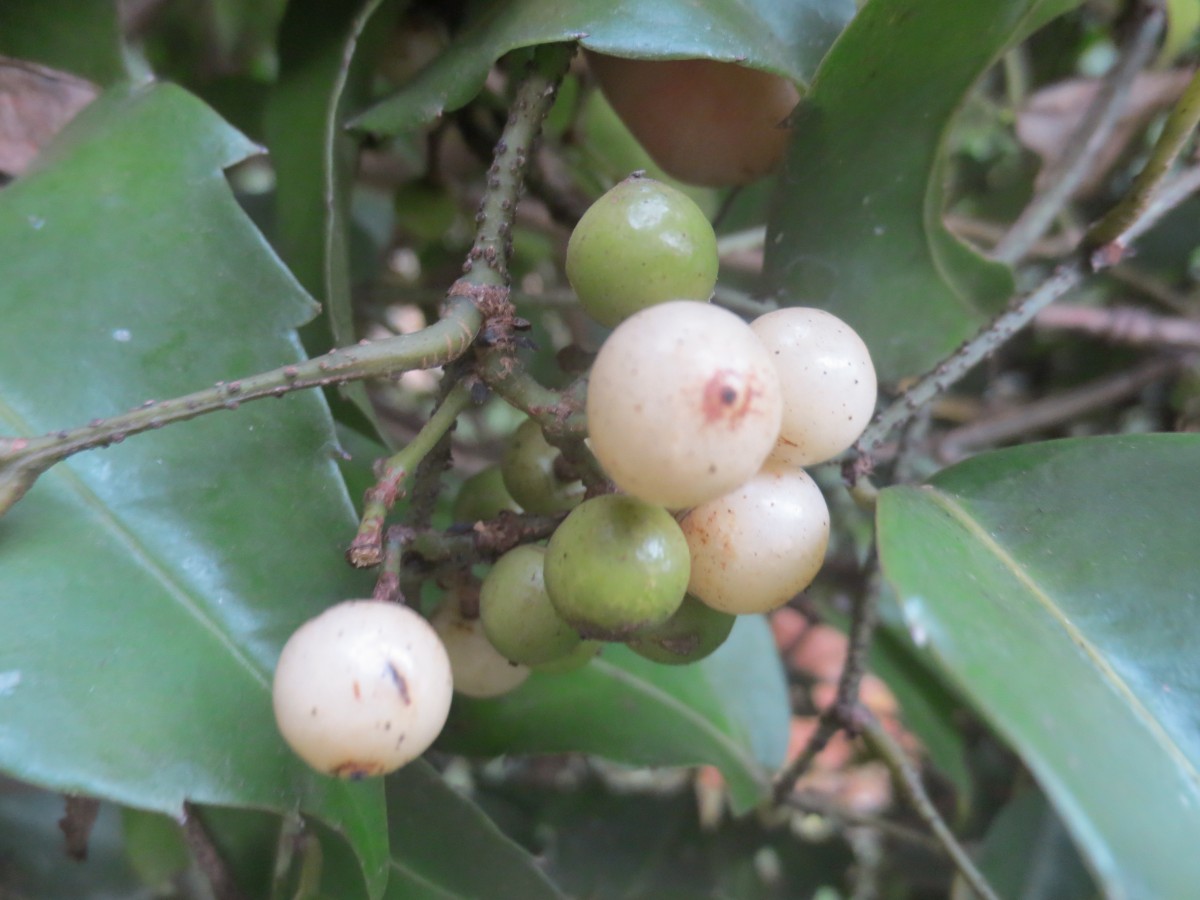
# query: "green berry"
[693,633]
[640,244]
[617,565]
[529,476]
[483,496]
[516,612]
[583,654]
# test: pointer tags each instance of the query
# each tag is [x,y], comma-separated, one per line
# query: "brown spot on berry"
[728,397]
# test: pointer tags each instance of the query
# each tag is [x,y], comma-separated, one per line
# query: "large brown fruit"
[705,122]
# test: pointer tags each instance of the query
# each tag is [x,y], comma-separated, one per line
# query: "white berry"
[759,545]
[683,404]
[479,669]
[828,382]
[362,689]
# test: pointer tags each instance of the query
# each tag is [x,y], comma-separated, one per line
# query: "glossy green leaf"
[857,228]
[326,51]
[729,710]
[90,47]
[1028,855]
[1057,584]
[146,589]
[786,38]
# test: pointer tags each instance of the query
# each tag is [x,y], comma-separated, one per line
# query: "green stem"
[908,779]
[367,547]
[1114,228]
[22,460]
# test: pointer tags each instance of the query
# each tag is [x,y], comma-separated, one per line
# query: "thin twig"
[1121,325]
[1064,407]
[22,459]
[821,805]
[1118,227]
[1093,131]
[908,780]
[79,815]
[366,549]
[955,366]
[208,858]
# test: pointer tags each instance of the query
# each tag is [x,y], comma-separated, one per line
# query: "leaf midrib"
[1091,651]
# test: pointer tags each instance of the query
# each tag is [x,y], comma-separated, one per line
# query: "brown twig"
[1121,325]
[79,815]
[208,857]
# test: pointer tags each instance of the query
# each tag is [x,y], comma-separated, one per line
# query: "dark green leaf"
[730,710]
[858,225]
[145,590]
[1027,855]
[326,51]
[1057,584]
[786,38]
[82,37]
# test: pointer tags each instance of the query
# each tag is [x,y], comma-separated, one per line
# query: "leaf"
[145,590]
[78,36]
[857,228]
[730,710]
[1027,855]
[324,48]
[786,38]
[1057,584]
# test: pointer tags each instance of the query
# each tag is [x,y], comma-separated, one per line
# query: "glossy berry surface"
[478,668]
[528,473]
[642,243]
[683,404]
[828,382]
[759,545]
[517,615]
[704,121]
[694,632]
[362,689]
[616,565]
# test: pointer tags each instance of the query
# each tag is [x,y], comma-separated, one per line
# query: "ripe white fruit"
[479,669]
[362,689]
[828,382]
[683,404]
[759,545]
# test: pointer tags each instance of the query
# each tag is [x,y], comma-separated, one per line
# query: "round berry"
[616,565]
[640,244]
[704,121]
[483,496]
[529,475]
[517,615]
[828,382]
[693,633]
[479,670]
[362,689]
[583,654]
[683,404]
[759,545]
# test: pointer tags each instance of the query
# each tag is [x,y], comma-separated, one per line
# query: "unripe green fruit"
[616,565]
[483,496]
[479,670]
[528,473]
[516,612]
[583,654]
[640,244]
[693,633]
